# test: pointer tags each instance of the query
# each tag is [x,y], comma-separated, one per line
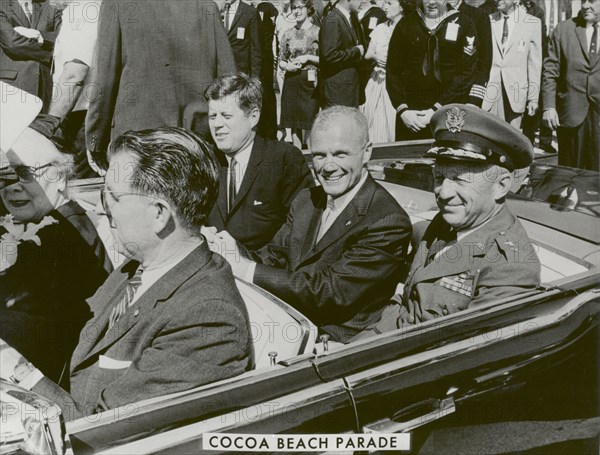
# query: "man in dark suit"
[341,50]
[154,61]
[28,30]
[571,88]
[259,177]
[241,23]
[484,52]
[339,256]
[475,251]
[171,318]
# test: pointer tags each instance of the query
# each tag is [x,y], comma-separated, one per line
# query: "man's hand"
[414,120]
[550,118]
[292,66]
[225,245]
[532,108]
[10,358]
[426,116]
[30,33]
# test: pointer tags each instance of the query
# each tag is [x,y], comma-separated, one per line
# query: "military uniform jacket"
[421,75]
[495,261]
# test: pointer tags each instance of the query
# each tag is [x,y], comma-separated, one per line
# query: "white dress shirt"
[233,7]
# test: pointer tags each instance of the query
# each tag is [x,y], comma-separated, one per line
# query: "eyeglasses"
[298,7]
[20,173]
[106,207]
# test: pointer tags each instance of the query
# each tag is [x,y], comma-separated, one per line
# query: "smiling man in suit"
[341,52]
[28,30]
[338,257]
[259,177]
[571,88]
[171,318]
[516,73]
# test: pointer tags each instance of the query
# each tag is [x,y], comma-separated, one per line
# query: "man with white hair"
[338,257]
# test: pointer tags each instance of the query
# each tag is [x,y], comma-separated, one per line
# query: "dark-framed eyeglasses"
[298,7]
[10,175]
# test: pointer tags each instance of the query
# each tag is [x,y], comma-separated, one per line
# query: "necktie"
[594,43]
[443,242]
[226,18]
[232,187]
[505,30]
[121,307]
[327,219]
[27,11]
[357,27]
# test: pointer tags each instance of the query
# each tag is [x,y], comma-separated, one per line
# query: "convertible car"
[518,375]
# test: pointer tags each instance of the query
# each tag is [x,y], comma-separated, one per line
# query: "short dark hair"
[248,90]
[176,165]
[310,8]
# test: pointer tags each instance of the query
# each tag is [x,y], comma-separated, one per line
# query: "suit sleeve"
[484,60]
[50,35]
[331,45]
[462,82]
[551,71]
[105,78]
[395,79]
[198,345]
[377,252]
[296,177]
[534,64]
[17,46]
[255,44]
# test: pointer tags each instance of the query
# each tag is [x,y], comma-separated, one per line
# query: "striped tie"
[121,307]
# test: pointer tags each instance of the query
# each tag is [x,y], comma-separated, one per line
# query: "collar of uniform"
[344,11]
[441,20]
[340,203]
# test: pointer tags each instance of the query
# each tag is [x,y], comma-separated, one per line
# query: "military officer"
[474,251]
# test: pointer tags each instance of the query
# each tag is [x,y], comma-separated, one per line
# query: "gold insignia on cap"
[455,119]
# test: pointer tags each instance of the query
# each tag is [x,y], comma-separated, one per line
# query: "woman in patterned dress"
[299,57]
[378,108]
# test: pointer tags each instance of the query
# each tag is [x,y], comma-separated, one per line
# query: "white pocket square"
[113,364]
[257,202]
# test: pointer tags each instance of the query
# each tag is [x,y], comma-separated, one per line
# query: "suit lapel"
[517,29]
[158,292]
[236,18]
[349,217]
[348,25]
[580,33]
[461,255]
[20,14]
[311,220]
[497,30]
[256,157]
[222,197]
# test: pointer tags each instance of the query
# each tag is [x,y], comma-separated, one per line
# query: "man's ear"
[503,185]
[254,117]
[368,151]
[162,215]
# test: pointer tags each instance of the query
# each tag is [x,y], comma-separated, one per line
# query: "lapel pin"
[348,223]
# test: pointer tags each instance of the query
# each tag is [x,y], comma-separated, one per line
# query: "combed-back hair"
[343,114]
[174,164]
[247,90]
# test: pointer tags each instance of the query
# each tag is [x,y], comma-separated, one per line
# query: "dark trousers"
[580,146]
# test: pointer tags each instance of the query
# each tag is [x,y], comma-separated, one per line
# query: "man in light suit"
[28,30]
[154,61]
[171,318]
[571,88]
[266,174]
[339,256]
[341,51]
[516,72]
